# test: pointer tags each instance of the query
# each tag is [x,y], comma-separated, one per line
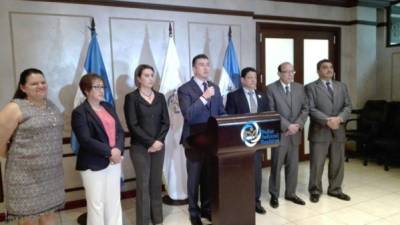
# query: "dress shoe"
[295,199]
[260,209]
[340,195]
[314,198]
[273,202]
[206,215]
[195,220]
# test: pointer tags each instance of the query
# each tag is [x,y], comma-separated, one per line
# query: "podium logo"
[250,133]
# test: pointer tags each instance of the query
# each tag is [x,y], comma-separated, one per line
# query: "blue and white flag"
[174,170]
[93,64]
[230,73]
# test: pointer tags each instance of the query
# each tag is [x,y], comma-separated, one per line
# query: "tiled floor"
[375,200]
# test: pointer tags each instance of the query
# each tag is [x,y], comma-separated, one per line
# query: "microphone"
[210,85]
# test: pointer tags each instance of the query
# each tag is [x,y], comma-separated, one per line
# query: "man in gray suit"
[330,107]
[289,100]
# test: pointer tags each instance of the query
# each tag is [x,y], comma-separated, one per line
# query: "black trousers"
[258,174]
[199,175]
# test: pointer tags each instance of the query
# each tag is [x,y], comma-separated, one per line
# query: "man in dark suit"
[289,100]
[330,107]
[199,99]
[248,100]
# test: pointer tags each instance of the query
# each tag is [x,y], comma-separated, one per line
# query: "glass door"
[303,46]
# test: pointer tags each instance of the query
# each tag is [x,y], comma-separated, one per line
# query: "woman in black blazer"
[147,118]
[101,143]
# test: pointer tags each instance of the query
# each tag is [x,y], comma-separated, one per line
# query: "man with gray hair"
[288,99]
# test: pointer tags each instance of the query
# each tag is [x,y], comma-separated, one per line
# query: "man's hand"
[333,122]
[292,129]
[209,93]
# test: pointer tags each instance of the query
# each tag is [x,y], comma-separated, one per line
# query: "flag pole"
[92,26]
[83,217]
[166,198]
[170,30]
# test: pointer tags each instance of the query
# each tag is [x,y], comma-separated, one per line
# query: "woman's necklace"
[39,104]
[146,95]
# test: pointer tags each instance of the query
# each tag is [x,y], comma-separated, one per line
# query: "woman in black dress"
[147,118]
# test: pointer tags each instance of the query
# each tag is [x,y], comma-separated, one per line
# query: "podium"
[232,141]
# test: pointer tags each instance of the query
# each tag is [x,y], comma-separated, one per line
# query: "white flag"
[225,83]
[174,169]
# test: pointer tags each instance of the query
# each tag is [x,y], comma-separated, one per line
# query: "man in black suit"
[199,99]
[248,100]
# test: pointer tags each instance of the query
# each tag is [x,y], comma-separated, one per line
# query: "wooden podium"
[232,142]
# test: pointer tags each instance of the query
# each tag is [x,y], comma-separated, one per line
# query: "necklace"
[39,105]
[146,95]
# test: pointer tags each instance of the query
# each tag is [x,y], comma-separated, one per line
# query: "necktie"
[205,86]
[287,89]
[330,90]
[253,106]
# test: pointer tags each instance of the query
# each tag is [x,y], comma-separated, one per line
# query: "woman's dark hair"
[23,78]
[139,70]
[86,82]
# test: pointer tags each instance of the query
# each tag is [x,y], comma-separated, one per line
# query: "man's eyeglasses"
[289,71]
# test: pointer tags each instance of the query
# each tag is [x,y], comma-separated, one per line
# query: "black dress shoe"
[341,196]
[195,220]
[314,198]
[295,199]
[206,215]
[273,202]
[260,209]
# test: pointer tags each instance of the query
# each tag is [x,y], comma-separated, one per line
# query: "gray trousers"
[287,155]
[148,169]
[318,153]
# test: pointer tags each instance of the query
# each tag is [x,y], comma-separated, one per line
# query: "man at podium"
[248,100]
[199,99]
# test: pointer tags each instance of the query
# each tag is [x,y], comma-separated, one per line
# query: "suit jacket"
[293,108]
[94,148]
[322,106]
[146,122]
[236,102]
[192,108]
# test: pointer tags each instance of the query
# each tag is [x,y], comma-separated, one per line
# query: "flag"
[93,64]
[174,169]
[230,73]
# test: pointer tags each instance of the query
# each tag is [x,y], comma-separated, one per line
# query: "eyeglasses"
[98,87]
[289,71]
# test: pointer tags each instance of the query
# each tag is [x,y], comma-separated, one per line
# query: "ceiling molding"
[342,3]
[142,5]
[319,21]
[150,6]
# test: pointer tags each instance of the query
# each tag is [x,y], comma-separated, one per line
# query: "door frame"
[281,29]
[260,57]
